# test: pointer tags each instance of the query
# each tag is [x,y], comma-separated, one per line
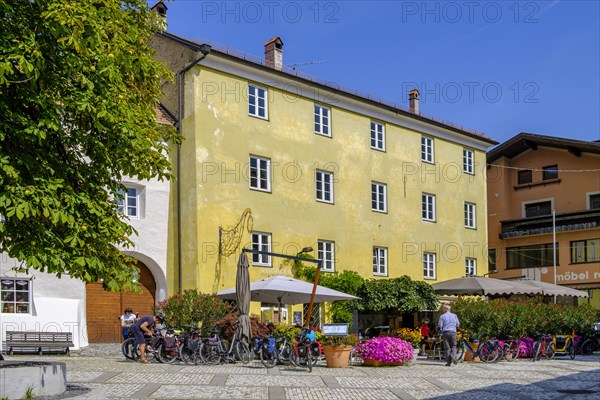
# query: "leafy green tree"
[78,89]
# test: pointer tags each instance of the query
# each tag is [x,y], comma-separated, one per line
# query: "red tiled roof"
[163,116]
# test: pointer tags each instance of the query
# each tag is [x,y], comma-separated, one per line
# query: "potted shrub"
[337,349]
[383,350]
[412,336]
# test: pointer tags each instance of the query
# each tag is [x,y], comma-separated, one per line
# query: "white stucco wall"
[57,305]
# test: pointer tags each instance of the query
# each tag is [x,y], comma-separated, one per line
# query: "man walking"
[448,324]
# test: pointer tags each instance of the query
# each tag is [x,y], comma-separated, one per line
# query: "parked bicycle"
[215,350]
[304,351]
[511,349]
[488,352]
[591,343]
[544,347]
[190,344]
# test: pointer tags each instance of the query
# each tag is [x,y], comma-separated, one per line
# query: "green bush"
[193,308]
[502,318]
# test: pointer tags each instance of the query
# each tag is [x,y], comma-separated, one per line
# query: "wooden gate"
[103,308]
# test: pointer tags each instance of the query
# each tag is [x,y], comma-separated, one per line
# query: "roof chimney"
[161,9]
[274,53]
[413,99]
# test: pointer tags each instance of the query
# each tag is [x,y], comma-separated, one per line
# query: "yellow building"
[371,187]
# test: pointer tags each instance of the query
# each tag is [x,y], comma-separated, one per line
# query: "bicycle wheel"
[166,356]
[294,357]
[550,350]
[267,358]
[460,351]
[511,350]
[186,355]
[587,347]
[210,353]
[310,359]
[536,351]
[127,348]
[242,352]
[488,352]
[570,348]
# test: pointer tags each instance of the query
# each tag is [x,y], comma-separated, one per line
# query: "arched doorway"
[103,308]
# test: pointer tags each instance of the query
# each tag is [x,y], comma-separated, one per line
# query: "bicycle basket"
[193,344]
[170,343]
[271,345]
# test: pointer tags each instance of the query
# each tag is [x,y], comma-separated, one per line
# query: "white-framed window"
[16,295]
[429,265]
[470,215]
[324,186]
[322,120]
[257,101]
[260,173]
[128,202]
[377,136]
[428,206]
[470,267]
[468,161]
[380,261]
[326,253]
[261,241]
[427,149]
[378,197]
[592,200]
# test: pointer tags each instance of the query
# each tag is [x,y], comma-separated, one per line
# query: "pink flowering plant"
[385,349]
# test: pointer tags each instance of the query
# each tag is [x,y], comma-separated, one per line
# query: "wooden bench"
[39,341]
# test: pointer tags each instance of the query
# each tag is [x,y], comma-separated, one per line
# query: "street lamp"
[490,272]
[554,245]
[306,249]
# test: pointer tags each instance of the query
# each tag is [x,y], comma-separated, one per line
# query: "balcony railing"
[572,221]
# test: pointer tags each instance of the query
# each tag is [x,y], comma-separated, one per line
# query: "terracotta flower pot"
[337,356]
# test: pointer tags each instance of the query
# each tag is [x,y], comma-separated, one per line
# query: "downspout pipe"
[204,49]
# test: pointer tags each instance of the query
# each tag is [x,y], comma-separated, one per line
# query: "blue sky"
[495,67]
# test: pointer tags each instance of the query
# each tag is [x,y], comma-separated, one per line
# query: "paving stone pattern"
[105,374]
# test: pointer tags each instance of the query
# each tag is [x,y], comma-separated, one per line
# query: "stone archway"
[103,308]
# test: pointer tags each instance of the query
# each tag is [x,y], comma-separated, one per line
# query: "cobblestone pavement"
[100,372]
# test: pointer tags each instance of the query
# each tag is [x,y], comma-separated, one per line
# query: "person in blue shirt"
[141,327]
[448,324]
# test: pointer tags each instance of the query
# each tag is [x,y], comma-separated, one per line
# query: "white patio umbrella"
[551,289]
[285,290]
[477,285]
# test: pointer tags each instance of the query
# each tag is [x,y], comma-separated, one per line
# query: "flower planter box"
[379,363]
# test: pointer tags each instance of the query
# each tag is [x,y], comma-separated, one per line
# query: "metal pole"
[312,296]
[554,245]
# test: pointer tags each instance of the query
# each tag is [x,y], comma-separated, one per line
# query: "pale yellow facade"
[220,137]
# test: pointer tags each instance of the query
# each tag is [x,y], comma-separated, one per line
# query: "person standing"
[127,319]
[448,324]
[425,335]
[142,326]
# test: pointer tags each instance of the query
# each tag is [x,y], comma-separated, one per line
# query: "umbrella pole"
[312,296]
[279,301]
